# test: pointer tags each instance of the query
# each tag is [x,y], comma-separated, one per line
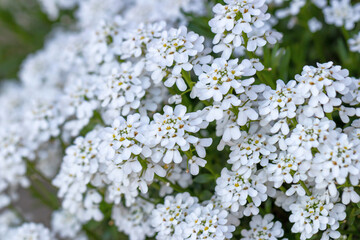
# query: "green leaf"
[203,178]
[205,195]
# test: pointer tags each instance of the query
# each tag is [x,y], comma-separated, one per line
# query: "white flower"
[321,85]
[151,170]
[233,20]
[279,104]
[194,164]
[296,188]
[79,168]
[336,159]
[286,168]
[354,43]
[234,189]
[345,113]
[313,213]
[348,195]
[124,89]
[167,218]
[251,210]
[172,51]
[136,38]
[353,96]
[30,231]
[175,99]
[124,139]
[172,131]
[171,12]
[8,219]
[65,224]
[342,13]
[207,222]
[222,76]
[330,234]
[227,127]
[251,149]
[263,228]
[245,114]
[314,25]
[309,133]
[292,10]
[90,12]
[135,220]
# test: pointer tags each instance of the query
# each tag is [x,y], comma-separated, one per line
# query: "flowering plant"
[187,119]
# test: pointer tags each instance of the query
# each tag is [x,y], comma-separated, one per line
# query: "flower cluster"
[181,217]
[263,228]
[241,23]
[155,127]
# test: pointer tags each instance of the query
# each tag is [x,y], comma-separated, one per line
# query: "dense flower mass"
[164,119]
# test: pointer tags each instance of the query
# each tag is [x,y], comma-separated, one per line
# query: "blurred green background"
[23,28]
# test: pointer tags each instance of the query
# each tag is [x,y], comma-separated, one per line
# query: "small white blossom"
[342,13]
[263,228]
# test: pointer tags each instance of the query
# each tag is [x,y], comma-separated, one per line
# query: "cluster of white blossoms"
[263,228]
[89,12]
[354,43]
[139,113]
[182,217]
[292,144]
[241,23]
[12,229]
[124,158]
[341,13]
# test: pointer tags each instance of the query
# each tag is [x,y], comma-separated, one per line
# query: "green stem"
[305,188]
[147,200]
[345,33]
[185,92]
[32,167]
[172,185]
[63,145]
[329,116]
[40,194]
[283,189]
[187,77]
[37,186]
[208,167]
[97,115]
[91,233]
[17,212]
[260,75]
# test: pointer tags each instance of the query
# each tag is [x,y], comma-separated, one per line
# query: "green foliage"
[23,28]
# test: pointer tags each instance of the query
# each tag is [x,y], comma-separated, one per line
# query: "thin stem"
[172,185]
[183,93]
[148,200]
[187,77]
[258,73]
[17,212]
[208,167]
[305,188]
[91,233]
[283,189]
[345,33]
[40,194]
[36,171]
[329,116]
[37,187]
